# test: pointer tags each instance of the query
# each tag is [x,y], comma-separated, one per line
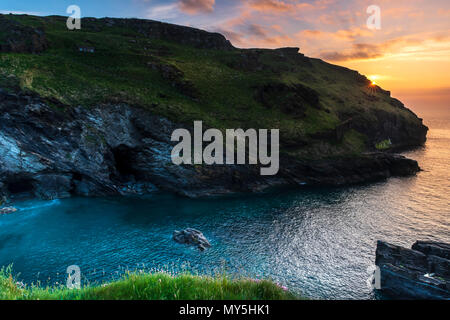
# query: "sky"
[409,54]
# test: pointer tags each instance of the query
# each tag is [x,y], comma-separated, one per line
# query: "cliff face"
[51,152]
[99,123]
[422,272]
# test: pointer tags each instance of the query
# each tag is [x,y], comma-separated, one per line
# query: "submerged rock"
[413,274]
[7,210]
[191,236]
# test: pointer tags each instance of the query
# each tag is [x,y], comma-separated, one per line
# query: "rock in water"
[7,210]
[191,237]
[422,272]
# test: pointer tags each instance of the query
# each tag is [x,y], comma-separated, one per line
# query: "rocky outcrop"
[15,37]
[7,210]
[292,100]
[389,125]
[255,60]
[422,272]
[433,248]
[50,151]
[193,237]
[164,31]
[175,76]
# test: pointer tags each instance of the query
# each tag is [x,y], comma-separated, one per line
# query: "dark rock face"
[175,77]
[115,149]
[380,125]
[413,274]
[191,236]
[366,168]
[288,51]
[292,99]
[251,60]
[433,248]
[21,39]
[160,30]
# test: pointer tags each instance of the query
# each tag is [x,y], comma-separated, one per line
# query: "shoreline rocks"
[7,210]
[192,237]
[422,272]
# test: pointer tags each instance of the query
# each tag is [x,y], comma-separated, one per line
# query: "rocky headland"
[100,123]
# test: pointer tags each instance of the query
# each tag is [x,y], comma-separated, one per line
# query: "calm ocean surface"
[317,242]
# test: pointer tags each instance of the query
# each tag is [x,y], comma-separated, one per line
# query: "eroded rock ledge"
[422,272]
[51,151]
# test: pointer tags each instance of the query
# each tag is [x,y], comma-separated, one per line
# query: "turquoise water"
[318,242]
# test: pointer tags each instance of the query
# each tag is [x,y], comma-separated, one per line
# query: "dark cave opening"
[22,185]
[123,158]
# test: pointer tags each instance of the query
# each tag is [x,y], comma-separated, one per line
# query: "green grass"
[384,145]
[158,286]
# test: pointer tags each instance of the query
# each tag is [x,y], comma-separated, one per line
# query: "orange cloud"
[270,5]
[444,12]
[277,27]
[196,6]
[343,34]
[276,6]
[412,45]
[359,51]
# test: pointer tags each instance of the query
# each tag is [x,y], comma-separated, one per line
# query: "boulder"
[7,210]
[193,237]
[412,274]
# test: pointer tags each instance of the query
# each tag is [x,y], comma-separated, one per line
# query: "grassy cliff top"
[187,74]
[159,286]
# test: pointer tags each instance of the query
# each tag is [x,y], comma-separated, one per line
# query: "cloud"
[254,35]
[234,37]
[444,12]
[196,6]
[277,27]
[163,12]
[424,46]
[257,31]
[270,5]
[358,51]
[31,13]
[343,34]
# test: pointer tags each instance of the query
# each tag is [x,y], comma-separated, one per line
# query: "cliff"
[422,272]
[100,123]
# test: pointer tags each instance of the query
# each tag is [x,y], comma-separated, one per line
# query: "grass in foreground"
[158,286]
